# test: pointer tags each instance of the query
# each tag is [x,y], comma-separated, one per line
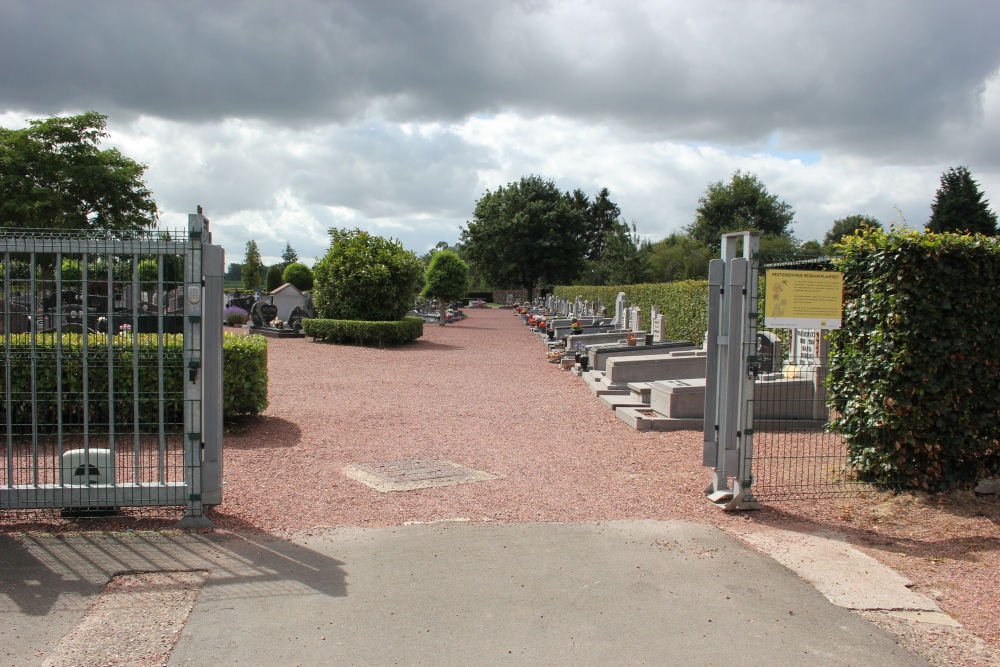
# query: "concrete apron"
[626,592]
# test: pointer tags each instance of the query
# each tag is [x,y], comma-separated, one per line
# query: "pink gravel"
[477,393]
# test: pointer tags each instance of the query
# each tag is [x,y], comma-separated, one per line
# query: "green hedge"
[244,377]
[915,370]
[358,332]
[244,380]
[684,304]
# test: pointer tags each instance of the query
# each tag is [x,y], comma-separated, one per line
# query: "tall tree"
[740,205]
[849,226]
[252,266]
[625,258]
[600,217]
[53,175]
[679,257]
[959,206]
[288,256]
[526,233]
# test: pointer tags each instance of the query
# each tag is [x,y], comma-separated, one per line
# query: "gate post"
[728,426]
[213,270]
[194,371]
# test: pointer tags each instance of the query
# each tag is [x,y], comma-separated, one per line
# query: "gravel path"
[476,393]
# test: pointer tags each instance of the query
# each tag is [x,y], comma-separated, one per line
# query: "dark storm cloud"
[885,78]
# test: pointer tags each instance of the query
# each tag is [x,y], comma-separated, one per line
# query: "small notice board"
[803,299]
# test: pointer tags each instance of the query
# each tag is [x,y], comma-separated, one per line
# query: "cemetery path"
[478,393]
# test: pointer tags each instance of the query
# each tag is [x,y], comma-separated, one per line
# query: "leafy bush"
[915,369]
[300,275]
[356,332]
[234,316]
[244,379]
[71,271]
[365,277]
[149,271]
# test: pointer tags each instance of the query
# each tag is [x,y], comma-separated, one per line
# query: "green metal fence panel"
[102,349]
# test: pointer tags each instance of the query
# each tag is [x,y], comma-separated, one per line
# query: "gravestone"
[263,313]
[659,328]
[619,320]
[768,352]
[245,302]
[20,320]
[634,318]
[295,319]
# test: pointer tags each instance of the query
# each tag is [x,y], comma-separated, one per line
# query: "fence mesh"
[797,453]
[91,395]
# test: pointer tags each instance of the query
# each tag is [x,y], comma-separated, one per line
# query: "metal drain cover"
[410,474]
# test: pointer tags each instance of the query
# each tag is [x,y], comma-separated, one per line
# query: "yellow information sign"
[803,299]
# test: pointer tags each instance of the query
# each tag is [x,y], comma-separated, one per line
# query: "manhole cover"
[410,474]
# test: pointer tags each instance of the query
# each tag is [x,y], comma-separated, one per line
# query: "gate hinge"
[194,436]
[194,496]
[748,431]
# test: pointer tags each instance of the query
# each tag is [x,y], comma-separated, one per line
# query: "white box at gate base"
[81,467]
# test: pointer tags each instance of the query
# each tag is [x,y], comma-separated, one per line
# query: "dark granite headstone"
[245,302]
[768,352]
[262,313]
[296,317]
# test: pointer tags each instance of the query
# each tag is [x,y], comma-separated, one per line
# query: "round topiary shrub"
[364,277]
[273,280]
[300,275]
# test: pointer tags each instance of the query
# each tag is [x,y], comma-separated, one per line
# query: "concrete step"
[647,419]
[616,401]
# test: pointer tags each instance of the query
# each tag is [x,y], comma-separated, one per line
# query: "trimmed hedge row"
[244,374]
[358,332]
[244,379]
[684,304]
[915,370]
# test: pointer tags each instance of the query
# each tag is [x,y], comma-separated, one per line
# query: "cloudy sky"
[283,119]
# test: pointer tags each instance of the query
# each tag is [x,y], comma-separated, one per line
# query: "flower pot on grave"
[584,362]
[649,339]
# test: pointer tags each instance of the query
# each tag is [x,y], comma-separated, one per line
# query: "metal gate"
[769,430]
[111,392]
